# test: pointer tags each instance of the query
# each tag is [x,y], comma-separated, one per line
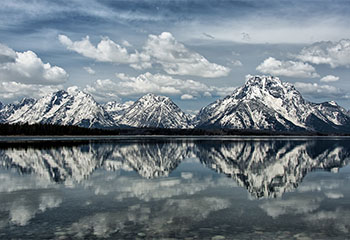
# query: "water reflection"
[267,168]
[177,189]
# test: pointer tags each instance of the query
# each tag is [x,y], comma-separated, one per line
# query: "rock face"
[156,112]
[266,103]
[71,107]
[116,109]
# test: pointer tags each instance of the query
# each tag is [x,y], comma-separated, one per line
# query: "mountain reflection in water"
[177,188]
[267,168]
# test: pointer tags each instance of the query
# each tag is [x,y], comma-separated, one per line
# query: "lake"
[175,188]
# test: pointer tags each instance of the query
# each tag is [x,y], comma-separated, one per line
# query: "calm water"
[156,188]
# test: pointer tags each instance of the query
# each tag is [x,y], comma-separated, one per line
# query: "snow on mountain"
[116,109]
[7,110]
[71,107]
[266,103]
[155,111]
[262,103]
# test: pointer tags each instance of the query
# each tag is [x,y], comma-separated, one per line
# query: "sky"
[193,51]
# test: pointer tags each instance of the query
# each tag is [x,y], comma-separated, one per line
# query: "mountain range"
[262,103]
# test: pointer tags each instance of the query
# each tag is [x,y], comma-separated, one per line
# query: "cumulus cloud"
[329,78]
[187,97]
[287,68]
[320,91]
[105,51]
[6,54]
[333,53]
[163,49]
[126,43]
[176,59]
[12,91]
[89,70]
[27,67]
[153,83]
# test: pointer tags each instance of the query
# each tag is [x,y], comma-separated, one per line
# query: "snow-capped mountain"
[262,103]
[155,111]
[7,110]
[71,107]
[266,103]
[116,109]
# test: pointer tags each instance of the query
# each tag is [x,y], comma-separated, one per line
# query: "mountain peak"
[155,111]
[267,103]
[154,97]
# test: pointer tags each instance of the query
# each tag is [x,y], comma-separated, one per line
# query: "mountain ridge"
[263,103]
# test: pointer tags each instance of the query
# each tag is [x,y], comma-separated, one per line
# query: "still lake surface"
[161,187]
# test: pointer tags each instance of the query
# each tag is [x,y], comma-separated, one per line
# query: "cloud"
[105,51]
[187,97]
[89,70]
[163,49]
[287,68]
[126,43]
[320,91]
[6,54]
[152,83]
[333,53]
[236,63]
[12,91]
[245,36]
[176,59]
[27,67]
[329,78]
[208,35]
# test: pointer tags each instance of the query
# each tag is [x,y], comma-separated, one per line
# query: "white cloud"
[333,53]
[236,63]
[152,83]
[89,70]
[6,54]
[187,97]
[319,91]
[329,78]
[126,43]
[176,59]
[163,49]
[12,91]
[105,51]
[287,68]
[27,67]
